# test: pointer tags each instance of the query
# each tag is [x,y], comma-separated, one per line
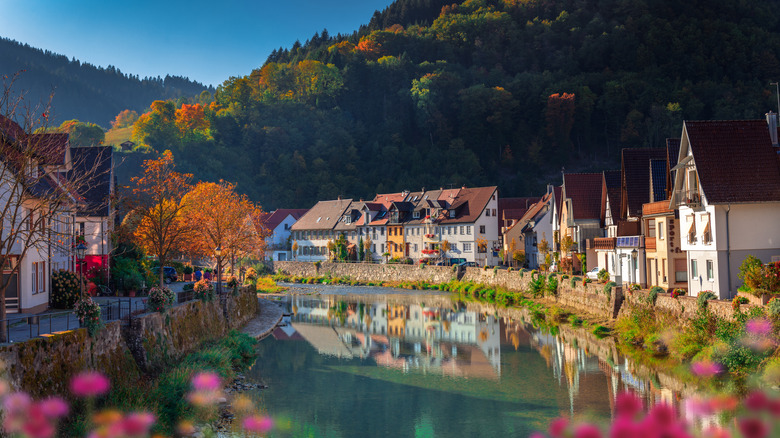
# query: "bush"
[772,307]
[634,287]
[603,275]
[187,269]
[653,295]
[703,297]
[537,286]
[160,299]
[204,290]
[607,289]
[679,293]
[750,271]
[88,312]
[552,285]
[65,289]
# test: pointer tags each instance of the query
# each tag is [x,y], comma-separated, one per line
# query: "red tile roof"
[515,208]
[735,160]
[272,220]
[636,178]
[50,147]
[469,204]
[584,190]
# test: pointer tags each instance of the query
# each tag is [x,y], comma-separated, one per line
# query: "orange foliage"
[370,48]
[396,28]
[222,218]
[124,119]
[560,116]
[343,48]
[191,118]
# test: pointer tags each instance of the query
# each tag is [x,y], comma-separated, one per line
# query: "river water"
[378,362]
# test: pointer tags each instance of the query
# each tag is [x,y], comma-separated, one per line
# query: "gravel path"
[260,326]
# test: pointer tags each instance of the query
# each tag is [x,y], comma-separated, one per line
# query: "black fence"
[23,327]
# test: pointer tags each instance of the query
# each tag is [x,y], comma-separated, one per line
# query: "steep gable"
[584,190]
[635,165]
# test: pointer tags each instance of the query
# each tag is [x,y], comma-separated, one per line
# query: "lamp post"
[218,252]
[81,251]
[634,276]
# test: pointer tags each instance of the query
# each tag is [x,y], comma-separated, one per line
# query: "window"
[286,227]
[381,231]
[416,214]
[461,230]
[710,270]
[80,225]
[691,229]
[418,231]
[382,248]
[661,226]
[452,213]
[468,229]
[454,247]
[481,229]
[34,273]
[663,270]
[373,248]
[348,219]
[694,269]
[494,213]
[466,247]
[487,212]
[415,247]
[651,228]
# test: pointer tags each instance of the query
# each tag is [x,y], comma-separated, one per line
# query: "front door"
[11,294]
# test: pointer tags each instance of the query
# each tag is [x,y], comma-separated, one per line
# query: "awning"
[705,219]
[691,225]
[683,162]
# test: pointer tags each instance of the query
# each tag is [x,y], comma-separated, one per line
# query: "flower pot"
[187,277]
[131,293]
[759,301]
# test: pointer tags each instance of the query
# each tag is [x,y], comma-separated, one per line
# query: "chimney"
[771,121]
[423,190]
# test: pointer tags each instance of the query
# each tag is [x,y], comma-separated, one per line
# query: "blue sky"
[203,40]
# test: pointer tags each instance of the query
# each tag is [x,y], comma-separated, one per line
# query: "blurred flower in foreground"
[257,424]
[759,334]
[34,420]
[207,389]
[114,424]
[706,368]
[89,384]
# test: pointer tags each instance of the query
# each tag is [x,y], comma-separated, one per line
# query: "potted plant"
[160,299]
[88,312]
[187,273]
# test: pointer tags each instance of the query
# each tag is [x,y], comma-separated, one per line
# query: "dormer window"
[452,213]
[416,214]
[348,219]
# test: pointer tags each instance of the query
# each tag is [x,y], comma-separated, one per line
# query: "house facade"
[279,224]
[727,191]
[312,232]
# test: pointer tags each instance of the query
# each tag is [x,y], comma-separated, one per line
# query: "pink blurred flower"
[137,423]
[706,368]
[89,384]
[774,408]
[258,424]
[16,403]
[54,407]
[662,415]
[628,404]
[587,431]
[557,427]
[206,382]
[759,327]
[753,428]
[757,401]
[537,435]
[624,427]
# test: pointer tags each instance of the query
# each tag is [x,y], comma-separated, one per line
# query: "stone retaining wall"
[369,271]
[44,366]
[684,307]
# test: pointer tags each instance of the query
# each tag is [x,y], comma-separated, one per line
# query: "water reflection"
[425,365]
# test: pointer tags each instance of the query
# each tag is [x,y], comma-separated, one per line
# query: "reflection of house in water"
[586,375]
[402,336]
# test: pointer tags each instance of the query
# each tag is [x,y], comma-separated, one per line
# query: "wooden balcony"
[604,243]
[690,198]
[650,243]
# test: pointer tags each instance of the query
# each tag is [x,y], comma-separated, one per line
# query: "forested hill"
[482,92]
[83,91]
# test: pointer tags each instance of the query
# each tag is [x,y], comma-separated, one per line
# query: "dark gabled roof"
[735,160]
[636,177]
[672,150]
[558,192]
[515,208]
[614,193]
[469,204]
[584,190]
[97,162]
[272,220]
[658,173]
[324,215]
[50,147]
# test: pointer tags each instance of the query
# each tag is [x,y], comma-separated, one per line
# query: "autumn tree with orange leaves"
[220,217]
[157,210]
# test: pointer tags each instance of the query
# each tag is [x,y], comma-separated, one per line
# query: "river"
[378,362]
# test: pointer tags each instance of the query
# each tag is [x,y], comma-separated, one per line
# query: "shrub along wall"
[683,307]
[44,366]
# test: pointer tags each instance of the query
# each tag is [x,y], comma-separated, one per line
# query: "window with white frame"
[651,228]
[481,229]
[710,270]
[416,214]
[468,229]
[454,247]
[694,269]
[466,247]
[661,226]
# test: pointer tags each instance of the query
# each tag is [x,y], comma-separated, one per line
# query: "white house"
[279,224]
[727,191]
[311,233]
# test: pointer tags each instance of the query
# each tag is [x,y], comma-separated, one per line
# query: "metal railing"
[23,327]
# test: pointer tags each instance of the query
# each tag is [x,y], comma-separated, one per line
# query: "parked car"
[468,265]
[170,274]
[593,274]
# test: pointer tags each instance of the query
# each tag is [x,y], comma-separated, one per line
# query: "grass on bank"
[165,395]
